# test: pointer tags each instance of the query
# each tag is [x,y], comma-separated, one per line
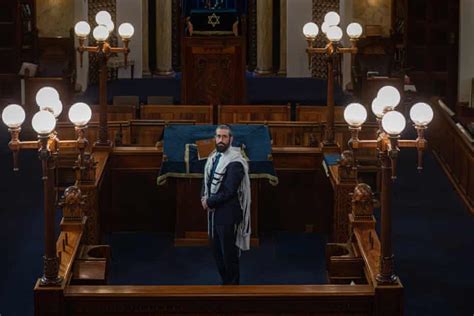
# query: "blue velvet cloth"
[175,138]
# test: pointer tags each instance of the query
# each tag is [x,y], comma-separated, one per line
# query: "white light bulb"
[80,114]
[13,115]
[43,122]
[324,28]
[82,29]
[355,114]
[46,96]
[100,33]
[393,123]
[109,25]
[421,114]
[334,33]
[389,96]
[378,107]
[332,18]
[126,30]
[310,30]
[102,17]
[354,30]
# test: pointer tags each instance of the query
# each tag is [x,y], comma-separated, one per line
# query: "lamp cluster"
[50,107]
[331,29]
[383,107]
[104,27]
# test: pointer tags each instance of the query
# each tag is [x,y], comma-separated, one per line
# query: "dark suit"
[224,220]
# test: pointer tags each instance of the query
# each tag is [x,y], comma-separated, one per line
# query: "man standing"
[226,197]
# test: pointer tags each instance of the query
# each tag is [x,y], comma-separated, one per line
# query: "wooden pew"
[290,133]
[317,113]
[231,114]
[115,112]
[150,132]
[453,147]
[202,114]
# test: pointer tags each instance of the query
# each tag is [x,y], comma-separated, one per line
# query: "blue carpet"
[283,258]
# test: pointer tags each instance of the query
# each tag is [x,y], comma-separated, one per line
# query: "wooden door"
[432,47]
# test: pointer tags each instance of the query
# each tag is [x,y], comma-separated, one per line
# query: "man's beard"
[221,147]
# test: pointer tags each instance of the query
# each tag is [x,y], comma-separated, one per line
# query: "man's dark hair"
[225,126]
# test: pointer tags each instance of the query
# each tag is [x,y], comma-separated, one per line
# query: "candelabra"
[103,49]
[333,48]
[48,145]
[388,144]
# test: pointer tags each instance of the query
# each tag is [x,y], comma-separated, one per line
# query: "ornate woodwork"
[213,70]
[201,114]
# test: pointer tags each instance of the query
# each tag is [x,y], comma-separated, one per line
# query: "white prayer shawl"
[233,154]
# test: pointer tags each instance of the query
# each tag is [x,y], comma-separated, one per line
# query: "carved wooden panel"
[213,70]
[229,114]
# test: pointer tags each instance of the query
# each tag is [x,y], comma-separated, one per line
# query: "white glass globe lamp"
[389,96]
[378,108]
[126,30]
[82,29]
[310,30]
[324,28]
[334,33]
[43,122]
[80,114]
[100,33]
[354,30]
[421,114]
[102,17]
[110,26]
[332,18]
[355,114]
[13,115]
[46,96]
[393,123]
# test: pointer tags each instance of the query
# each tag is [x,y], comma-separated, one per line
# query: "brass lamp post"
[101,33]
[388,144]
[333,47]
[48,145]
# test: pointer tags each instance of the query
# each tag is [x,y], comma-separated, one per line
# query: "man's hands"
[204,203]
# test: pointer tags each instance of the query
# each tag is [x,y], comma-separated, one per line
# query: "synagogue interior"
[346,131]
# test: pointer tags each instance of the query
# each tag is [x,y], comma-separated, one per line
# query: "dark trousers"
[226,253]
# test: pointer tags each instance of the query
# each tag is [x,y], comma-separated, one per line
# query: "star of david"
[213,20]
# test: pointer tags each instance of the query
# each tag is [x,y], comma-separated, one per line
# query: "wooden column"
[146,63]
[163,38]
[264,37]
[283,32]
